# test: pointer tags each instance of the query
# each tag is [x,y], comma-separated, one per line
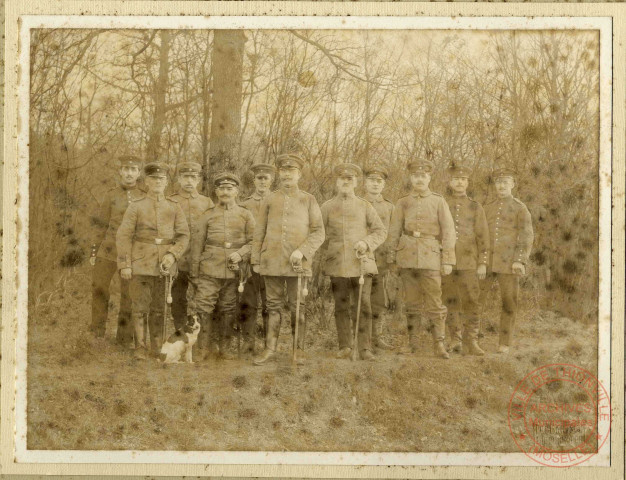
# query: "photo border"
[18,283]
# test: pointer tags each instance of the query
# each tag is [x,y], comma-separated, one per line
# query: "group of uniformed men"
[445,251]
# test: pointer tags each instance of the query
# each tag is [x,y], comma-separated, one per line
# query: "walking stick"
[168,301]
[355,349]
[243,275]
[305,292]
[298,270]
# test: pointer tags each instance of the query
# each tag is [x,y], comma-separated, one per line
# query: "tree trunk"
[227,69]
[153,149]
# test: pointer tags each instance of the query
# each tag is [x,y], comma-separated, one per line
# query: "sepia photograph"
[288,240]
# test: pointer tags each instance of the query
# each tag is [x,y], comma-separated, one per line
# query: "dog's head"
[193,325]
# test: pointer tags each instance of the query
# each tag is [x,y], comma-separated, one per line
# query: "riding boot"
[156,332]
[204,336]
[413,322]
[139,331]
[454,327]
[225,339]
[271,339]
[124,334]
[470,338]
[439,335]
[377,341]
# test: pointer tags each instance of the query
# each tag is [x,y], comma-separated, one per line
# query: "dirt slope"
[91,394]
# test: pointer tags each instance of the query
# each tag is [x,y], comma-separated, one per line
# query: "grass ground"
[89,394]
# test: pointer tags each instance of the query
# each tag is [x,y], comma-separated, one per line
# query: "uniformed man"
[375,179]
[153,235]
[289,232]
[353,232]
[193,205]
[460,289]
[104,254]
[511,235]
[419,221]
[222,244]
[264,175]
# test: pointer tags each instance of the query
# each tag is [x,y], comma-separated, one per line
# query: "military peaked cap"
[289,160]
[377,170]
[459,171]
[226,178]
[503,172]
[156,169]
[347,170]
[263,168]
[129,161]
[421,166]
[189,167]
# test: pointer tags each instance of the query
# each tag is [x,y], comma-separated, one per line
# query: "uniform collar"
[126,189]
[458,196]
[256,196]
[294,191]
[184,194]
[155,197]
[371,199]
[349,196]
[425,194]
[226,207]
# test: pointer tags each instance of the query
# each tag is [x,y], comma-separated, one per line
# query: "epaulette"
[519,201]
[173,200]
[327,201]
[387,200]
[139,199]
[437,194]
[471,200]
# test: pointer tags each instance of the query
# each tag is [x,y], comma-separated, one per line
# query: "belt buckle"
[158,241]
[227,244]
[417,234]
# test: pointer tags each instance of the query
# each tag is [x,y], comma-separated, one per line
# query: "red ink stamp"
[560,415]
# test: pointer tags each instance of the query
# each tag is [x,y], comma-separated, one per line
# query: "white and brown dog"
[178,346]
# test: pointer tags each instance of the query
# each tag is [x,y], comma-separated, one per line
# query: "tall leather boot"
[228,319]
[139,331]
[454,327]
[413,322]
[248,333]
[439,335]
[156,333]
[124,334]
[377,342]
[271,339]
[470,338]
[204,336]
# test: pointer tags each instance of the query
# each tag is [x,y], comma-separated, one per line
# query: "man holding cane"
[289,231]
[419,220]
[353,232]
[217,251]
[152,236]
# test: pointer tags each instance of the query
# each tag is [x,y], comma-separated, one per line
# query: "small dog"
[178,346]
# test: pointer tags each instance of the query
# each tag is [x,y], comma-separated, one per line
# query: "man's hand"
[446,269]
[255,268]
[481,271]
[518,268]
[126,273]
[92,261]
[361,248]
[234,258]
[296,257]
[167,262]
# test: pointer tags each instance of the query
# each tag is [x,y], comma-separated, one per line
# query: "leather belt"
[154,241]
[224,244]
[417,234]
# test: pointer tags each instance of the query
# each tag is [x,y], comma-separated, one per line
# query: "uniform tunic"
[384,209]
[417,223]
[222,231]
[109,218]
[347,221]
[253,203]
[472,232]
[288,221]
[511,233]
[147,221]
[193,206]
